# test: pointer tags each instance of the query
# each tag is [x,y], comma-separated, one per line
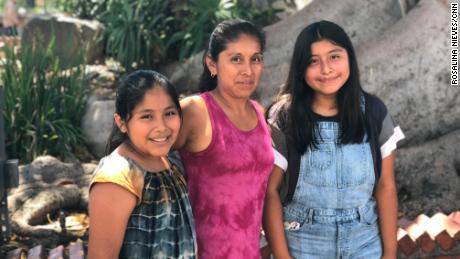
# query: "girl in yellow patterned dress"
[138,202]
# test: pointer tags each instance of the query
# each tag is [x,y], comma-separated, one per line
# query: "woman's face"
[328,69]
[239,67]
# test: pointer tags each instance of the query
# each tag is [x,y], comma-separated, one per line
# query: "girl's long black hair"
[299,96]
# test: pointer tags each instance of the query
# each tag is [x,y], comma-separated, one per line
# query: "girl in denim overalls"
[332,193]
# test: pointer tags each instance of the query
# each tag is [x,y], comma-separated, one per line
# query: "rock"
[49,170]
[428,176]
[103,79]
[289,7]
[408,67]
[71,36]
[97,124]
[185,75]
[406,5]
[47,186]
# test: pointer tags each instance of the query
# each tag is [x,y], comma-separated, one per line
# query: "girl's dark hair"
[225,32]
[130,93]
[301,124]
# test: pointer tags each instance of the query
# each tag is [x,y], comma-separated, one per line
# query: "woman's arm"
[195,132]
[273,216]
[110,206]
[387,204]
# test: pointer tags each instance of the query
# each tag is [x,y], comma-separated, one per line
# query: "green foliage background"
[146,34]
[44,103]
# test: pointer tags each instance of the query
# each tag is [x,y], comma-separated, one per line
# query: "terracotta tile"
[453,225]
[412,228]
[436,224]
[445,241]
[57,253]
[425,241]
[437,229]
[405,242]
[418,233]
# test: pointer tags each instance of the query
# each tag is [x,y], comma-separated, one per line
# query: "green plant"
[143,34]
[243,9]
[44,103]
[134,32]
[84,9]
[199,17]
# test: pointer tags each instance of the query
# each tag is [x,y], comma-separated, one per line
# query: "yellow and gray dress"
[161,225]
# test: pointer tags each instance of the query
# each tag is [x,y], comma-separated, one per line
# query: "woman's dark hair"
[131,91]
[225,32]
[301,123]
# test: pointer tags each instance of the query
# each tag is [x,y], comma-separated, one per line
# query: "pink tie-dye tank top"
[227,183]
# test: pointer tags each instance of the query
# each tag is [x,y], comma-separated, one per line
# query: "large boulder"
[97,121]
[428,176]
[408,67]
[47,187]
[97,124]
[72,35]
[49,170]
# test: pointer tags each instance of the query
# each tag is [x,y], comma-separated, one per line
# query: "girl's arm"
[273,216]
[387,204]
[110,206]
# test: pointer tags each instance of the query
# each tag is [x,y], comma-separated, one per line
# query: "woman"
[225,144]
[332,193]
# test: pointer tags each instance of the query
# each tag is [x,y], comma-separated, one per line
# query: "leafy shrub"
[199,17]
[145,33]
[134,32]
[88,9]
[44,104]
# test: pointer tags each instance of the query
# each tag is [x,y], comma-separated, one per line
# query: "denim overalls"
[333,212]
